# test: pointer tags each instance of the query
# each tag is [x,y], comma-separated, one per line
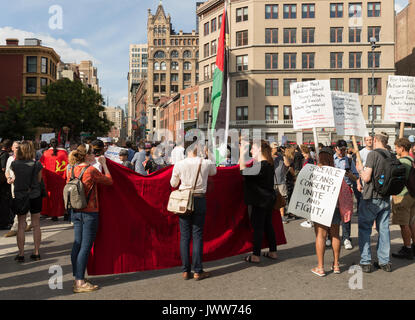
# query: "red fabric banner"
[137,233]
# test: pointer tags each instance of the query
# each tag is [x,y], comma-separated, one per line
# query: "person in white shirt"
[365,151]
[184,172]
[98,147]
[177,153]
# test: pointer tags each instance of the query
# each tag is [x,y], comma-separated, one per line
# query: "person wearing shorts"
[26,181]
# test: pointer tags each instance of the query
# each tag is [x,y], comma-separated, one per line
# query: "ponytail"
[54,145]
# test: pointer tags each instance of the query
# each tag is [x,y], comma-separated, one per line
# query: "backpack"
[392,175]
[74,192]
[410,183]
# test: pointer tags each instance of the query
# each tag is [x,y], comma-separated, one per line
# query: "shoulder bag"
[181,201]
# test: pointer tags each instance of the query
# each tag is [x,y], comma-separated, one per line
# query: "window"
[336,10]
[242,63]
[271,11]
[355,60]
[241,88]
[174,54]
[154,123]
[196,94]
[378,113]
[290,60]
[182,114]
[375,89]
[308,60]
[308,11]
[206,50]
[271,113]
[220,21]
[212,69]
[159,55]
[206,72]
[156,66]
[156,77]
[43,84]
[162,77]
[290,11]
[213,47]
[189,114]
[194,113]
[355,10]
[336,35]
[355,34]
[336,60]
[241,113]
[156,89]
[337,84]
[308,35]
[271,61]
[373,32]
[44,65]
[287,83]
[174,77]
[242,14]
[187,54]
[31,64]
[271,87]
[187,77]
[206,117]
[206,28]
[175,65]
[290,35]
[174,88]
[213,25]
[373,9]
[206,95]
[163,66]
[183,100]
[162,88]
[271,35]
[373,59]
[187,66]
[242,38]
[287,113]
[355,85]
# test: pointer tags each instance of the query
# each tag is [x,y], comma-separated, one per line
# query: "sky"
[97,30]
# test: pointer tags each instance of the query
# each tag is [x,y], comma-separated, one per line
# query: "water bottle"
[381,179]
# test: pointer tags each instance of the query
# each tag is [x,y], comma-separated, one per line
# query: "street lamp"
[374,46]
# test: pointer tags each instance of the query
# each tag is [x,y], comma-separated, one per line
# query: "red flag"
[59,137]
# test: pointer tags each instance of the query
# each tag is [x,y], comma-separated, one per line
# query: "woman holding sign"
[345,205]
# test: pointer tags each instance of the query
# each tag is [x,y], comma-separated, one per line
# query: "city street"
[288,278]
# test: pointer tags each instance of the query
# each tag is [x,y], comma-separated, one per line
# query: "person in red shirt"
[86,220]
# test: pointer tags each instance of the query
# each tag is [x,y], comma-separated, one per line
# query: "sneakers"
[348,244]
[11,233]
[385,267]
[404,253]
[307,224]
[201,276]
[366,268]
[328,243]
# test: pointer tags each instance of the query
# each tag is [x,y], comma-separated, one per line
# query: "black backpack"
[392,175]
[410,183]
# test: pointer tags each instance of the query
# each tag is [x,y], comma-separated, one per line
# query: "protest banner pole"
[359,159]
[401,130]
[316,143]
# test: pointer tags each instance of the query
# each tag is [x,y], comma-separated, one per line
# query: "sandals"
[249,259]
[318,271]
[35,257]
[335,269]
[19,259]
[87,287]
[267,255]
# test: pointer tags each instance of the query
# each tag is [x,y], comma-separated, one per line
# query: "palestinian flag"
[220,92]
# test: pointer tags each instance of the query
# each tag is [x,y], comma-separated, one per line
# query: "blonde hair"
[304,149]
[79,155]
[26,151]
[289,153]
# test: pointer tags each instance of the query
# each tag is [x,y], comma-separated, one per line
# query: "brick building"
[405,41]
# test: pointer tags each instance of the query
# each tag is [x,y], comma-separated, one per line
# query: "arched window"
[163,66]
[164,30]
[156,66]
[174,54]
[159,55]
[175,65]
[187,54]
[187,66]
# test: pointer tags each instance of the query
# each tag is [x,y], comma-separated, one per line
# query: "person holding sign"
[259,193]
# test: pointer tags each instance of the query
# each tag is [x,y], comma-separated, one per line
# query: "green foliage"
[15,121]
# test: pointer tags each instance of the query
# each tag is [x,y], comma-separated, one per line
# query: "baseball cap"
[341,144]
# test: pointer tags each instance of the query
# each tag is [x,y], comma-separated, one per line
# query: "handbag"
[181,202]
[21,206]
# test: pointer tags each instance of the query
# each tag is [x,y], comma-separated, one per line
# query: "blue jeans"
[192,225]
[369,211]
[85,228]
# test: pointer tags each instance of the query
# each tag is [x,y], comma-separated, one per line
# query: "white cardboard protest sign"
[48,136]
[311,104]
[348,116]
[400,99]
[113,153]
[105,139]
[316,192]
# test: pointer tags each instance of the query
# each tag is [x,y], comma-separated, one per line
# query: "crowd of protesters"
[24,196]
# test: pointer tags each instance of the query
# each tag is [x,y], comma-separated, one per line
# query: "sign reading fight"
[113,153]
[400,99]
[348,116]
[311,104]
[315,193]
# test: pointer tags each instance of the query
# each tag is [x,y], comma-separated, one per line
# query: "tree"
[15,121]
[71,104]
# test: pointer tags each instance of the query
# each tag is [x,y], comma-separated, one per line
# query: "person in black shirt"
[259,193]
[5,216]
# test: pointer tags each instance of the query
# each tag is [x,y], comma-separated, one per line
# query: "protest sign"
[348,116]
[311,104]
[47,137]
[400,99]
[316,192]
[105,139]
[113,153]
